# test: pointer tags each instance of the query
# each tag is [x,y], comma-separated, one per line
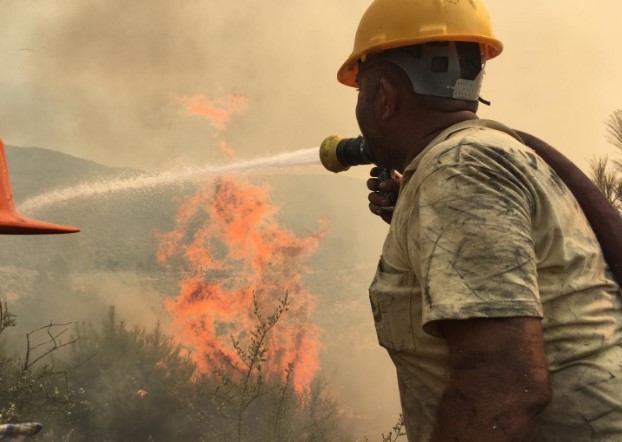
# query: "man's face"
[364,101]
[367,113]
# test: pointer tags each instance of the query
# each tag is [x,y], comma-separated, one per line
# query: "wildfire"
[235,252]
[237,256]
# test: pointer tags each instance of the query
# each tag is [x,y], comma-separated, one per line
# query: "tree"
[608,176]
[614,129]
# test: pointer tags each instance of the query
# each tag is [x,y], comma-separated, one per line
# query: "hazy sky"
[105,80]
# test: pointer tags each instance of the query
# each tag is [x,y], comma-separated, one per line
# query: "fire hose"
[338,154]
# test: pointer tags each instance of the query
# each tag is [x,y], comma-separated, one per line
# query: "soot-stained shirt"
[485,228]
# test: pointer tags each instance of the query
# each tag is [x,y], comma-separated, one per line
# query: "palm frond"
[608,180]
[614,129]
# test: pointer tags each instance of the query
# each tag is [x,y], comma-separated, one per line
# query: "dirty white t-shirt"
[485,228]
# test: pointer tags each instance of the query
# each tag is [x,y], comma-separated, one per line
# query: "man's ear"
[389,98]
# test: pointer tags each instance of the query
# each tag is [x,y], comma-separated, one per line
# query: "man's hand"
[499,380]
[378,202]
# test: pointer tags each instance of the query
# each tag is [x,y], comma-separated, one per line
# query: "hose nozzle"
[338,153]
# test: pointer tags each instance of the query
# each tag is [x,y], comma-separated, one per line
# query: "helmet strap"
[436,71]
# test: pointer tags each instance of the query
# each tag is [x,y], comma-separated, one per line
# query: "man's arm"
[499,381]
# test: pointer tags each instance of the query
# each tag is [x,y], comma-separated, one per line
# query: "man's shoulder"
[480,134]
[481,144]
[473,138]
[478,129]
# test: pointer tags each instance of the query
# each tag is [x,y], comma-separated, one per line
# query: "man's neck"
[428,128]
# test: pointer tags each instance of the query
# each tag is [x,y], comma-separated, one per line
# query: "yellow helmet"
[389,24]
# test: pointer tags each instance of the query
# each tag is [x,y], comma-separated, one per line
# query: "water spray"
[338,154]
[302,157]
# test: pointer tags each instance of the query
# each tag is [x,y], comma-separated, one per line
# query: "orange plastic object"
[11,222]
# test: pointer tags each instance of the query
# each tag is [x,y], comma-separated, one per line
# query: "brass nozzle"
[328,154]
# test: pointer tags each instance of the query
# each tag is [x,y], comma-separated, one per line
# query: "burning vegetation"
[240,263]
[122,383]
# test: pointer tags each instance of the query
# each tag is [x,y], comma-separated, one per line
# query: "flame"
[235,251]
[218,112]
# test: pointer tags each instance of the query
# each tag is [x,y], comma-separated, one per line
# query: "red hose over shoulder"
[602,216]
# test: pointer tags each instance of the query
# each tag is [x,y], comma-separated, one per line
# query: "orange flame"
[237,254]
[218,112]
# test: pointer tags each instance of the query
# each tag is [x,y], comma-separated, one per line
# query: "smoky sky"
[103,80]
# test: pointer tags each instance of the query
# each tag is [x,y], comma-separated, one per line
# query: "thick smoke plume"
[101,80]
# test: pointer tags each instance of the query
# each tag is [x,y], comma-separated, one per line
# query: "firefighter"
[492,296]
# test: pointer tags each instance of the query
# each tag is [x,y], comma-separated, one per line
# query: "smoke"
[102,80]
